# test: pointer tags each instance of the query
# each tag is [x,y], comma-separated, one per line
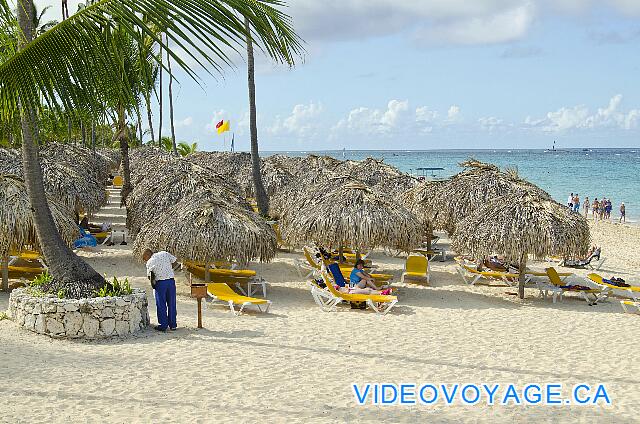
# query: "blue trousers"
[166,302]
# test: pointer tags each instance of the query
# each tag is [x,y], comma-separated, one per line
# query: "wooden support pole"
[199,312]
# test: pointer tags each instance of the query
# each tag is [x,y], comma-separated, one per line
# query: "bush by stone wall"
[92,318]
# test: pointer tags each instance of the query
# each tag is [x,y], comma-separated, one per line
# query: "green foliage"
[41,280]
[72,66]
[61,293]
[115,288]
[3,315]
[186,149]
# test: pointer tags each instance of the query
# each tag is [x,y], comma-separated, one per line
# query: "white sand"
[297,363]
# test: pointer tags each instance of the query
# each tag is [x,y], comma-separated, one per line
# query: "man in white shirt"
[570,201]
[161,265]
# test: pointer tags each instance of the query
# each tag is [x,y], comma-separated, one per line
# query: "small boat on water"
[423,174]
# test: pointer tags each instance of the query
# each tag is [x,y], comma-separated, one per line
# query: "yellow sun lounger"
[217,273]
[224,293]
[558,287]
[628,305]
[329,298]
[471,275]
[416,268]
[632,291]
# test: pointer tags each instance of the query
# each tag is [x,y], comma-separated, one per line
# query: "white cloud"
[303,121]
[500,27]
[453,113]
[364,120]
[491,123]
[186,122]
[423,114]
[579,117]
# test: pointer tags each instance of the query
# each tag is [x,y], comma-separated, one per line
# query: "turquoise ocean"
[611,173]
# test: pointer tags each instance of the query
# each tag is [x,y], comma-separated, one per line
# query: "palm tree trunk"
[70,273]
[173,128]
[147,99]
[83,131]
[121,135]
[5,274]
[160,102]
[139,115]
[261,195]
[69,128]
[93,136]
[521,278]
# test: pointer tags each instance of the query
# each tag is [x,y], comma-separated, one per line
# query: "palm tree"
[173,128]
[185,149]
[262,199]
[39,73]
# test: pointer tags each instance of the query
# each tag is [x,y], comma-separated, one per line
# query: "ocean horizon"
[613,173]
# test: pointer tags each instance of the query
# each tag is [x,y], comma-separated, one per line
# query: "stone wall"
[93,318]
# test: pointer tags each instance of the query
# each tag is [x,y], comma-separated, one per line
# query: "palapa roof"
[513,226]
[17,225]
[449,202]
[204,227]
[67,178]
[345,212]
[162,187]
[379,175]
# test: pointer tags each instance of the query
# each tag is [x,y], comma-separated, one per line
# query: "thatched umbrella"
[520,226]
[345,212]
[161,189]
[17,224]
[204,227]
[448,203]
[10,162]
[379,176]
[93,163]
[71,182]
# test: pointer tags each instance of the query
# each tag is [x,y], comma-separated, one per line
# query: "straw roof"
[10,162]
[345,212]
[69,179]
[17,225]
[379,176]
[204,227]
[513,226]
[164,186]
[93,163]
[448,203]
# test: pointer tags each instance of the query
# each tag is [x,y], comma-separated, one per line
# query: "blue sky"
[428,74]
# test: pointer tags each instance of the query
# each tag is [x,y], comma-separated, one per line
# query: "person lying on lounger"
[360,279]
[594,255]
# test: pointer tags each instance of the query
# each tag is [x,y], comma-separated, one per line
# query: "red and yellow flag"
[222,126]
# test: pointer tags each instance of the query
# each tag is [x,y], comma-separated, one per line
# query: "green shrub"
[61,294]
[115,288]
[3,315]
[41,279]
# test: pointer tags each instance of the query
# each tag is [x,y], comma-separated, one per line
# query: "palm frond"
[71,66]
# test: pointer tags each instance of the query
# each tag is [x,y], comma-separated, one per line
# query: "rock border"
[92,318]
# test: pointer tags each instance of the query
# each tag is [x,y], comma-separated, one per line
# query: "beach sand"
[297,363]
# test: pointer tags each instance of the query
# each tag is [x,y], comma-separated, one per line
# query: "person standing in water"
[586,206]
[623,213]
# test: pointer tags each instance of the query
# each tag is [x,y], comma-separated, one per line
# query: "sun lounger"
[471,275]
[222,292]
[632,292]
[593,262]
[329,298]
[591,296]
[541,274]
[416,268]
[630,306]
[238,277]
